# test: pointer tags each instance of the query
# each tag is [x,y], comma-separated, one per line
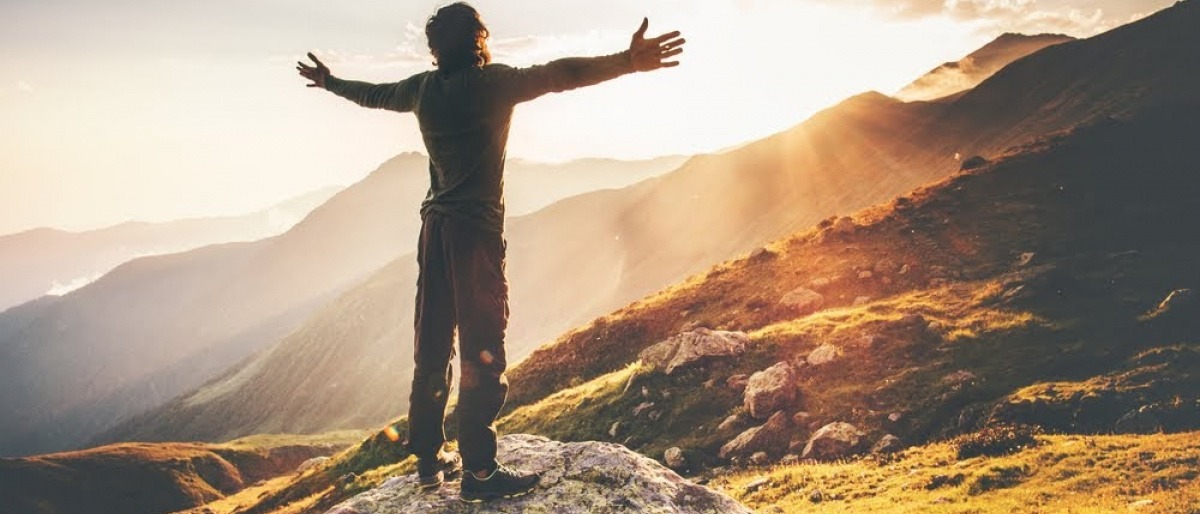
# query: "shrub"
[997,440]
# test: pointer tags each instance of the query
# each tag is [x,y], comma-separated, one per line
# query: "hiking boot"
[431,473]
[502,483]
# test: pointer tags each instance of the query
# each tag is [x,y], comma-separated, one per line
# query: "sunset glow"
[149,111]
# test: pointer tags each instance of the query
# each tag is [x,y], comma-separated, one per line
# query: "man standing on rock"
[464,108]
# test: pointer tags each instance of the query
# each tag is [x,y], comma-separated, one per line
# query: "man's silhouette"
[464,108]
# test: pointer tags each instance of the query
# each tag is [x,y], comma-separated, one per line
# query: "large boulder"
[692,348]
[834,441]
[770,390]
[771,437]
[581,478]
[823,354]
[802,301]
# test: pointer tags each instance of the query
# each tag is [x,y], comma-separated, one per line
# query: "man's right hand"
[652,54]
[317,75]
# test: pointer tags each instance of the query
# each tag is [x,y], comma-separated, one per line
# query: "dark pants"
[461,284]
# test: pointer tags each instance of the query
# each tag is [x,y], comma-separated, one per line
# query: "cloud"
[1028,16]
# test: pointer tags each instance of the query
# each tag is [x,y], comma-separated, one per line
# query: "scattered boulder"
[865,274]
[843,225]
[771,437]
[756,484]
[803,301]
[862,300]
[820,283]
[761,254]
[801,418]
[588,477]
[885,266]
[834,441]
[887,444]
[770,390]
[816,496]
[824,354]
[731,423]
[642,407]
[674,459]
[312,463]
[614,430]
[737,382]
[1025,259]
[895,417]
[973,162]
[689,349]
[759,459]
[790,459]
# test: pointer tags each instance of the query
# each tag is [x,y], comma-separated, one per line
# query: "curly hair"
[457,37]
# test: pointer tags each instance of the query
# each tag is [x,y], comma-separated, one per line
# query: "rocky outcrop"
[770,390]
[578,478]
[693,348]
[834,441]
[770,438]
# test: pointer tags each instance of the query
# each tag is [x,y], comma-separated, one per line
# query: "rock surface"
[771,438]
[674,458]
[692,348]
[770,390]
[579,478]
[823,354]
[803,301]
[834,441]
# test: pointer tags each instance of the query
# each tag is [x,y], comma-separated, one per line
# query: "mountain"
[48,261]
[590,254]
[532,185]
[154,478]
[155,327]
[958,76]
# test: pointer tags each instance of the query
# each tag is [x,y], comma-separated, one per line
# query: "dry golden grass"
[1067,474]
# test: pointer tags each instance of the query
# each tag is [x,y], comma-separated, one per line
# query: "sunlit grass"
[1070,474]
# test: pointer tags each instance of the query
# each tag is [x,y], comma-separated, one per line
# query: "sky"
[150,110]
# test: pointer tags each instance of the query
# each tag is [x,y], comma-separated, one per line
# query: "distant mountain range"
[588,255]
[49,261]
[157,326]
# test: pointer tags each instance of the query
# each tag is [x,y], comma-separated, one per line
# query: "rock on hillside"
[589,477]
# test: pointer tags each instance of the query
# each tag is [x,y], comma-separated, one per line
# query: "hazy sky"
[154,110]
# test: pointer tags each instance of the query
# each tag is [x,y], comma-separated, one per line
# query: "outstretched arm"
[575,72]
[398,96]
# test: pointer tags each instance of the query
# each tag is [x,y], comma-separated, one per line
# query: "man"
[464,108]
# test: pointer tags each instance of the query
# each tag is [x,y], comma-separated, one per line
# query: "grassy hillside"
[1096,209]
[1029,291]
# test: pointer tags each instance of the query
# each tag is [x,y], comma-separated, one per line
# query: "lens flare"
[391,433]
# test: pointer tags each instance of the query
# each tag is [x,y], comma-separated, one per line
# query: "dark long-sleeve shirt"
[464,118]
